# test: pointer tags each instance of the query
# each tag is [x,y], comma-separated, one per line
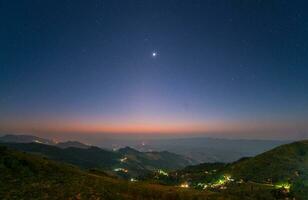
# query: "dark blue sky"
[236,66]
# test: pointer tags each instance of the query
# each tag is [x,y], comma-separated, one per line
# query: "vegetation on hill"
[286,164]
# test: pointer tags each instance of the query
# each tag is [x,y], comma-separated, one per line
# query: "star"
[154,54]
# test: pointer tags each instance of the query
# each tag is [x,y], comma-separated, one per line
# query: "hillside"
[284,164]
[28,176]
[284,167]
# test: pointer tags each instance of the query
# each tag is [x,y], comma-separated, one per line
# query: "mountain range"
[198,149]
[35,171]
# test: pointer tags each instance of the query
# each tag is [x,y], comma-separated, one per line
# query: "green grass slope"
[284,163]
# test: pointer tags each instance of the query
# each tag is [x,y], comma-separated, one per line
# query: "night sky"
[230,68]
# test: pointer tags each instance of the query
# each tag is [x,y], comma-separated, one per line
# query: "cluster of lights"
[225,179]
[220,183]
[184,185]
[285,186]
[123,159]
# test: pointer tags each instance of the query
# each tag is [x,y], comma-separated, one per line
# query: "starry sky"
[229,68]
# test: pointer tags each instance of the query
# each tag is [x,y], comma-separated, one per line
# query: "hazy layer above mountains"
[200,149]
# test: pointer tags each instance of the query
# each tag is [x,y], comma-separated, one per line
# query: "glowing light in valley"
[222,181]
[285,186]
[184,185]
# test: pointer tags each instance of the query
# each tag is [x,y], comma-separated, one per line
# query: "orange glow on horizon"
[148,128]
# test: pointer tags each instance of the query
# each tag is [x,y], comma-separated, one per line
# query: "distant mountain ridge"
[201,149]
[26,139]
[75,144]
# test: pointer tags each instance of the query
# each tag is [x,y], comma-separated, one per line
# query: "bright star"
[154,54]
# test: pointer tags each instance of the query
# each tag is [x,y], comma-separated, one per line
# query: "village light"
[184,185]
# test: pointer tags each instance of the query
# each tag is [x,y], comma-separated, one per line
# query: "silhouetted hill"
[284,164]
